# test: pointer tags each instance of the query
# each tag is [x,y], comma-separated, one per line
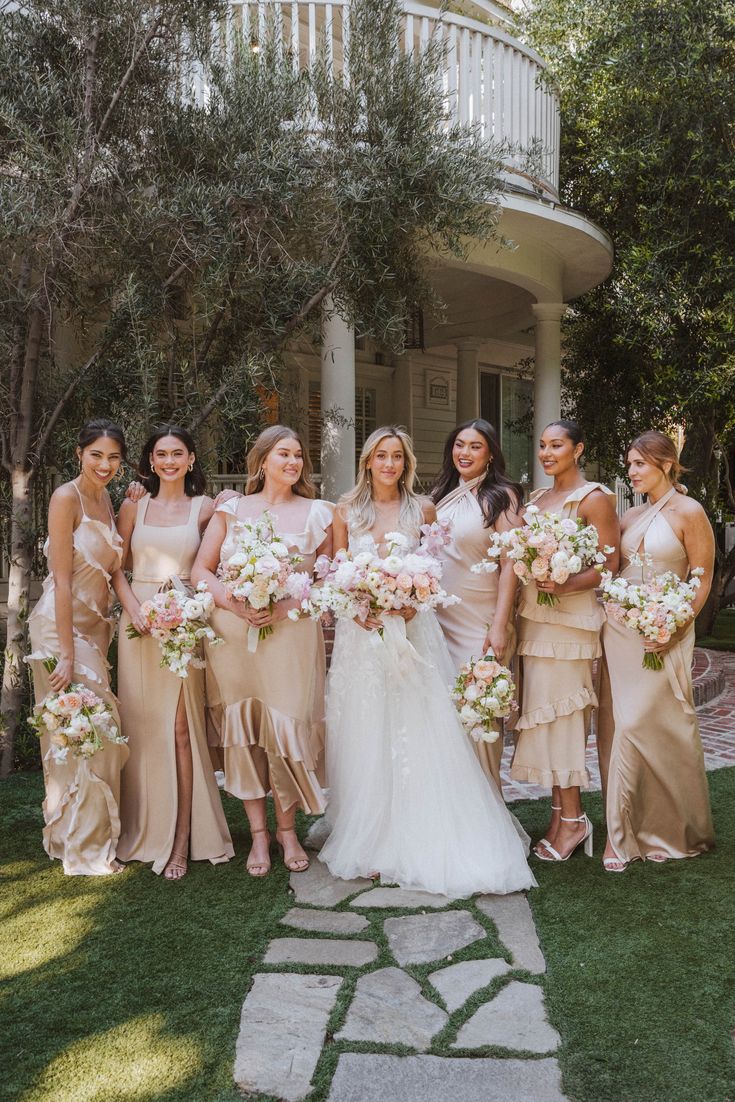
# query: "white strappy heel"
[545,841]
[586,840]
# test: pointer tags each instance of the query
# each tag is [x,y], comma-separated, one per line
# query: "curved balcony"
[490,79]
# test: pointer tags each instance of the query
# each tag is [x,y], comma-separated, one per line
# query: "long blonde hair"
[261,449]
[358,503]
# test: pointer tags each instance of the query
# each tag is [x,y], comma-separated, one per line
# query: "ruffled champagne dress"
[81,809]
[558,646]
[269,709]
[408,798]
[657,794]
[149,698]
[465,625]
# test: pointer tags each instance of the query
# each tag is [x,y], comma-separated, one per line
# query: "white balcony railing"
[490,78]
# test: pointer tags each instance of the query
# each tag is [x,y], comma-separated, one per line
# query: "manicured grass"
[130,988]
[723,632]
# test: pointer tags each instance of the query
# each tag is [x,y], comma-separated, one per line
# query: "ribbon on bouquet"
[253,639]
[395,640]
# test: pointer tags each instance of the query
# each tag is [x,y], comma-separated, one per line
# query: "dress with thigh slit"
[657,795]
[149,698]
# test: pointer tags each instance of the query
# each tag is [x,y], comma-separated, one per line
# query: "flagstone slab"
[335,951]
[317,834]
[389,1008]
[457,982]
[514,1019]
[282,1029]
[325,922]
[418,939]
[512,916]
[363,1077]
[318,887]
[400,897]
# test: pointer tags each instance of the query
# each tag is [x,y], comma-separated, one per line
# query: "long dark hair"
[195,481]
[101,426]
[497,493]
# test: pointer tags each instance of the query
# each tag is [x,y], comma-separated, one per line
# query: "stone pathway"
[453,986]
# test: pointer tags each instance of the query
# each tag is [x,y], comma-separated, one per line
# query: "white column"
[403,392]
[547,375]
[468,381]
[337,404]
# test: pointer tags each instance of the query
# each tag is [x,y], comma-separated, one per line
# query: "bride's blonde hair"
[358,503]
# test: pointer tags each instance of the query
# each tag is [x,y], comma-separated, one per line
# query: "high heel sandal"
[609,864]
[176,861]
[292,862]
[586,840]
[545,841]
[250,866]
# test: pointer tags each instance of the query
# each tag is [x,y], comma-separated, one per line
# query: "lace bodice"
[365,541]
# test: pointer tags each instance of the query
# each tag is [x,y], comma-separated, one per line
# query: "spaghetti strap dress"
[558,645]
[657,795]
[81,808]
[149,698]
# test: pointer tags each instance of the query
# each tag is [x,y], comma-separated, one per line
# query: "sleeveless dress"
[657,794]
[558,646]
[269,705]
[465,625]
[81,809]
[408,798]
[149,697]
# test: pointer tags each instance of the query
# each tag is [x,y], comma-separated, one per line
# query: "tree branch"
[149,36]
[90,69]
[5,451]
[44,437]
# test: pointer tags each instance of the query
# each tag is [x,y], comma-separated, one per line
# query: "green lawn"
[129,988]
[723,632]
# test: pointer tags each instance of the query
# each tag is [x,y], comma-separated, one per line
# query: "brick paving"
[714,673]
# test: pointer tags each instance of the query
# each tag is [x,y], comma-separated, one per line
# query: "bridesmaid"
[475,494]
[171,806]
[71,623]
[558,645]
[657,802]
[272,701]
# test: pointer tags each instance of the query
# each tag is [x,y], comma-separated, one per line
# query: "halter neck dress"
[558,646]
[149,698]
[465,625]
[268,706]
[657,795]
[82,795]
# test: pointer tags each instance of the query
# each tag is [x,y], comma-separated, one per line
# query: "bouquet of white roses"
[655,608]
[177,619]
[76,720]
[354,586]
[546,547]
[262,572]
[483,692]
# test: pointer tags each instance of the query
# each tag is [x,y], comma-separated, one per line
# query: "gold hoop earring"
[261,474]
[191,466]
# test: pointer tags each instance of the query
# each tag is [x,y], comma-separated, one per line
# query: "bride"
[408,798]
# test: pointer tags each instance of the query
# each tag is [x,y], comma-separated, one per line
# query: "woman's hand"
[135,491]
[370,623]
[62,674]
[555,588]
[136,617]
[281,609]
[256,617]
[653,647]
[496,640]
[407,613]
[225,495]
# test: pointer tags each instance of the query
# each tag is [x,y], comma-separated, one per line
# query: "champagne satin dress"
[657,795]
[270,705]
[149,697]
[465,625]
[558,646]
[81,809]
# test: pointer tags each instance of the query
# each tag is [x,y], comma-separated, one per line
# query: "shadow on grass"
[129,986]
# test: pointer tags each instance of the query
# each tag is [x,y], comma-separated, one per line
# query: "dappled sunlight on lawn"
[44,931]
[137,1059]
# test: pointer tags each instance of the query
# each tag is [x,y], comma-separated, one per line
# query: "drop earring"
[191,466]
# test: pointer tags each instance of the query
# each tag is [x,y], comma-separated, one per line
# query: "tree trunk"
[19,584]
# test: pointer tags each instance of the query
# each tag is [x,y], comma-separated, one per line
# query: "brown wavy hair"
[657,449]
[262,448]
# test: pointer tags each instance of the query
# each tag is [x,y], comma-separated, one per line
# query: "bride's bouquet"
[77,721]
[262,572]
[483,692]
[655,607]
[177,619]
[354,586]
[546,547]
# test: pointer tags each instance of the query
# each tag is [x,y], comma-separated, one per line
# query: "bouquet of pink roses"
[354,586]
[484,692]
[76,720]
[655,608]
[262,572]
[177,618]
[546,547]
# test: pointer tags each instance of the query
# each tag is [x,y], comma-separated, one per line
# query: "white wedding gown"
[408,798]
